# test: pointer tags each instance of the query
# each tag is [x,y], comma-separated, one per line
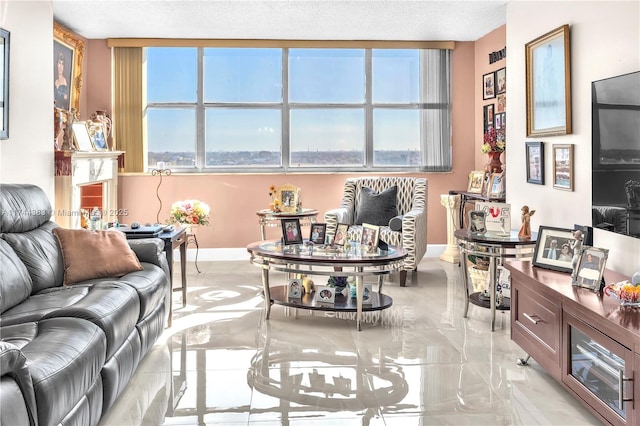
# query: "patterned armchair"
[411,205]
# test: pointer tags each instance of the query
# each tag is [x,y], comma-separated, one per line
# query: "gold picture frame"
[563,166]
[548,84]
[70,49]
[476,182]
[289,197]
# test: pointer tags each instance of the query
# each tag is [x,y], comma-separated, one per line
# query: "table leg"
[267,293]
[492,290]
[465,281]
[168,250]
[359,295]
[183,271]
[262,230]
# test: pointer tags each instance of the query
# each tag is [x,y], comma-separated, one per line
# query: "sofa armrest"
[18,400]
[150,250]
[414,236]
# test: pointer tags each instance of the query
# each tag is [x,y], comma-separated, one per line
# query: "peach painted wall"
[234,198]
[492,42]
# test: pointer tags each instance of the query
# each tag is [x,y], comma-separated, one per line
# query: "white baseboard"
[227,254]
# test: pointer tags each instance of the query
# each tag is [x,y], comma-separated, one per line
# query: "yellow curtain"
[128,106]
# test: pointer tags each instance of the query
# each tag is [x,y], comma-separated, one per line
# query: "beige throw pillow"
[95,254]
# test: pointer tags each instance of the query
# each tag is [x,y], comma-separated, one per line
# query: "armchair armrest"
[414,236]
[335,216]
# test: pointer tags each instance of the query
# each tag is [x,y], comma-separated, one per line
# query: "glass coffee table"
[318,260]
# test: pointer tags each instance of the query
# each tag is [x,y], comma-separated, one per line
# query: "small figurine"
[525,229]
[576,245]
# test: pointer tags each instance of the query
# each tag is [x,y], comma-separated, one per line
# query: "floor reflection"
[418,362]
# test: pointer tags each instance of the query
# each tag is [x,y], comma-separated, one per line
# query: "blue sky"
[254,75]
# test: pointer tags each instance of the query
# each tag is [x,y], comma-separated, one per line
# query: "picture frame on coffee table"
[325,294]
[294,288]
[318,233]
[291,233]
[342,234]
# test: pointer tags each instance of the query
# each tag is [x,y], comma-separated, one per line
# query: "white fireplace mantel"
[75,169]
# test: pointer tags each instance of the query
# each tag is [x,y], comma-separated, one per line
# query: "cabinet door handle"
[533,318]
[621,398]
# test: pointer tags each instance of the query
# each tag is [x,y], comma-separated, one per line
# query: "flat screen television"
[615,109]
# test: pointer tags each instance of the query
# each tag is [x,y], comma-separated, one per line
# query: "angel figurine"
[525,229]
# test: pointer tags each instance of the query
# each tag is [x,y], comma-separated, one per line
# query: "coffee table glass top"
[307,251]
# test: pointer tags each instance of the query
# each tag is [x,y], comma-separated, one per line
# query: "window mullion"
[201,156]
[285,149]
[368,109]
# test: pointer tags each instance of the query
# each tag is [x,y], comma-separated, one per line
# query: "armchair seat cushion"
[377,208]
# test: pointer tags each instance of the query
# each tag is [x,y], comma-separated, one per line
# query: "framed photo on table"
[555,249]
[476,182]
[590,267]
[291,232]
[97,135]
[317,233]
[294,289]
[341,235]
[488,86]
[496,187]
[563,166]
[370,234]
[289,196]
[67,68]
[325,294]
[535,162]
[548,83]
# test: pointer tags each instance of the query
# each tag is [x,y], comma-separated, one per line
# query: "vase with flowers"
[190,214]
[494,145]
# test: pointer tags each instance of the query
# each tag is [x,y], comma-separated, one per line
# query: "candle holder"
[160,171]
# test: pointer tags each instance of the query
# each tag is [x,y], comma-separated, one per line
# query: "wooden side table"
[268,218]
[172,240]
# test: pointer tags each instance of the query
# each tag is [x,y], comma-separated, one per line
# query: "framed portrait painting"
[548,83]
[535,162]
[68,51]
[488,86]
[563,166]
[4,84]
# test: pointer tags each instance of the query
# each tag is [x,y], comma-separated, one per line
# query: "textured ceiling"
[273,19]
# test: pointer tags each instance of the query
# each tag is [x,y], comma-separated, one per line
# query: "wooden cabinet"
[583,339]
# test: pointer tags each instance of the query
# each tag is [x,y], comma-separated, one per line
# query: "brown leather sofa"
[68,351]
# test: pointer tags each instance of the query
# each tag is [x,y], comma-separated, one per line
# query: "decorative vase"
[494,165]
[191,229]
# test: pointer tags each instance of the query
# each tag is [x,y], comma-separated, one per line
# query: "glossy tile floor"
[416,363]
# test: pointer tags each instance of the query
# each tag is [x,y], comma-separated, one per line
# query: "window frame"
[286,107]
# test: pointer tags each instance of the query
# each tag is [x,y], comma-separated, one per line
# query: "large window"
[298,109]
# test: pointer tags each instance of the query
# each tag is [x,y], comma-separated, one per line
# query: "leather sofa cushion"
[112,306]
[15,282]
[38,250]
[24,207]
[376,209]
[95,254]
[60,381]
[39,305]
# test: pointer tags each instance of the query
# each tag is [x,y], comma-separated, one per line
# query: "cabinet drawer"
[539,318]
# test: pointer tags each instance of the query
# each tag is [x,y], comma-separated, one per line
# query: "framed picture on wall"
[563,166]
[67,68]
[535,162]
[548,84]
[501,81]
[489,117]
[488,86]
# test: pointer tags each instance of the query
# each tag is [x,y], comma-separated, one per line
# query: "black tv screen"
[616,122]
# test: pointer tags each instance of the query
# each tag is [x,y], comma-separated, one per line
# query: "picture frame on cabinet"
[488,86]
[548,84]
[590,268]
[501,81]
[563,166]
[4,83]
[68,51]
[549,252]
[535,162]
